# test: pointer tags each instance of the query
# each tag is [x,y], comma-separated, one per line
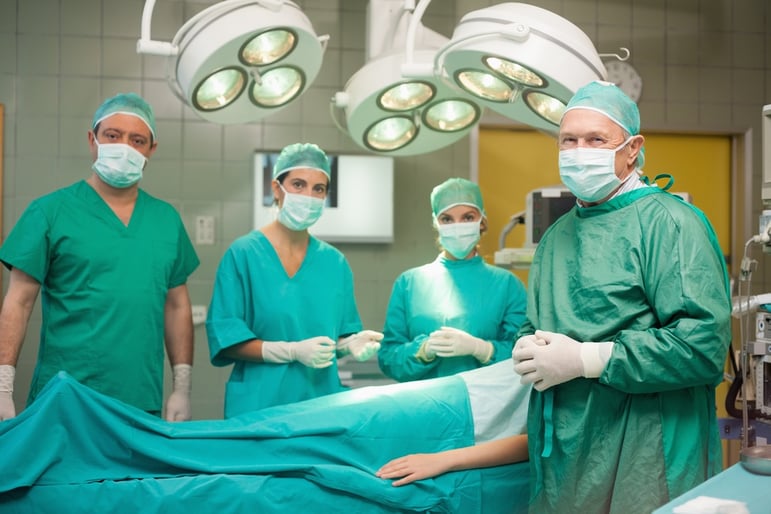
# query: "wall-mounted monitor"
[543,207]
[359,206]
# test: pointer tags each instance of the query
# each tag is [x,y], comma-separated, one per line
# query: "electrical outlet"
[204,230]
[199,314]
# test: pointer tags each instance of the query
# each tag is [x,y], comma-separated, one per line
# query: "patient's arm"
[418,466]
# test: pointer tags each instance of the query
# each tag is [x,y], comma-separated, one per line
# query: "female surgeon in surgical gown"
[456,313]
[283,306]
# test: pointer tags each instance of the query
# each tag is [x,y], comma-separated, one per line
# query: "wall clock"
[626,77]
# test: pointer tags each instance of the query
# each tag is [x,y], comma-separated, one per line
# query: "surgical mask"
[590,173]
[299,211]
[118,165]
[459,238]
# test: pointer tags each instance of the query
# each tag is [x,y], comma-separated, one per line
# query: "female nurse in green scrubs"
[283,306]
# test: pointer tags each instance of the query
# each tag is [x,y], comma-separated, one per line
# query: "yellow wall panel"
[701,166]
[511,163]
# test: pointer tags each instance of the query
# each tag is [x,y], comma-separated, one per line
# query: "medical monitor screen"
[544,207]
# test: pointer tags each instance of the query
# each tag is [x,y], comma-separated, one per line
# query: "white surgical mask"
[118,165]
[299,212]
[590,173]
[459,238]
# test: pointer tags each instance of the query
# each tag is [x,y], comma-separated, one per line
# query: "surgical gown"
[254,298]
[470,295]
[643,270]
[103,287]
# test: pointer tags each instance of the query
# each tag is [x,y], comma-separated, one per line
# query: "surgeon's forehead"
[310,175]
[125,123]
[577,122]
[460,210]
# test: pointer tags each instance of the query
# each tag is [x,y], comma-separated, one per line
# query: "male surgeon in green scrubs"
[111,263]
[627,330]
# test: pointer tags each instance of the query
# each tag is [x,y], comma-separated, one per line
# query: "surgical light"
[451,115]
[239,60]
[420,91]
[406,96]
[389,110]
[521,61]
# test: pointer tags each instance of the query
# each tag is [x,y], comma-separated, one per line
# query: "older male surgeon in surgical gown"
[628,325]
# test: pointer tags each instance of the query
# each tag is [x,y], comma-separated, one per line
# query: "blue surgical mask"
[299,212]
[118,165]
[459,238]
[590,173]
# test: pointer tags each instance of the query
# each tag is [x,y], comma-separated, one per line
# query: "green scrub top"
[103,288]
[470,295]
[643,270]
[254,298]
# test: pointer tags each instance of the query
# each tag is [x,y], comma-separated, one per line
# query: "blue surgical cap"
[456,191]
[126,103]
[608,99]
[301,155]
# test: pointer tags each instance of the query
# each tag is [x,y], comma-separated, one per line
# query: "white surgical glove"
[7,408]
[361,346]
[560,359]
[178,403]
[315,352]
[523,343]
[451,342]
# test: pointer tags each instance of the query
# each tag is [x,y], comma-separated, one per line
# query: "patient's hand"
[415,467]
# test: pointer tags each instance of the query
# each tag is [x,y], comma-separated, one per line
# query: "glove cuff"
[484,351]
[594,357]
[422,356]
[343,346]
[7,376]
[183,377]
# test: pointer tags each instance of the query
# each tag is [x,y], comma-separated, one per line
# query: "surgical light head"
[301,155]
[456,191]
[126,103]
[608,99]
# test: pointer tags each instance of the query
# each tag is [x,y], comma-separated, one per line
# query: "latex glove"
[361,346]
[7,408]
[523,343]
[559,360]
[178,402]
[315,352]
[452,342]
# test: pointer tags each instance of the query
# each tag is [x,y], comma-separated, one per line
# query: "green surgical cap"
[456,191]
[126,103]
[608,99]
[301,155]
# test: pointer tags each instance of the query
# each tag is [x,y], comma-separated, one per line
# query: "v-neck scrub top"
[103,288]
[254,298]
